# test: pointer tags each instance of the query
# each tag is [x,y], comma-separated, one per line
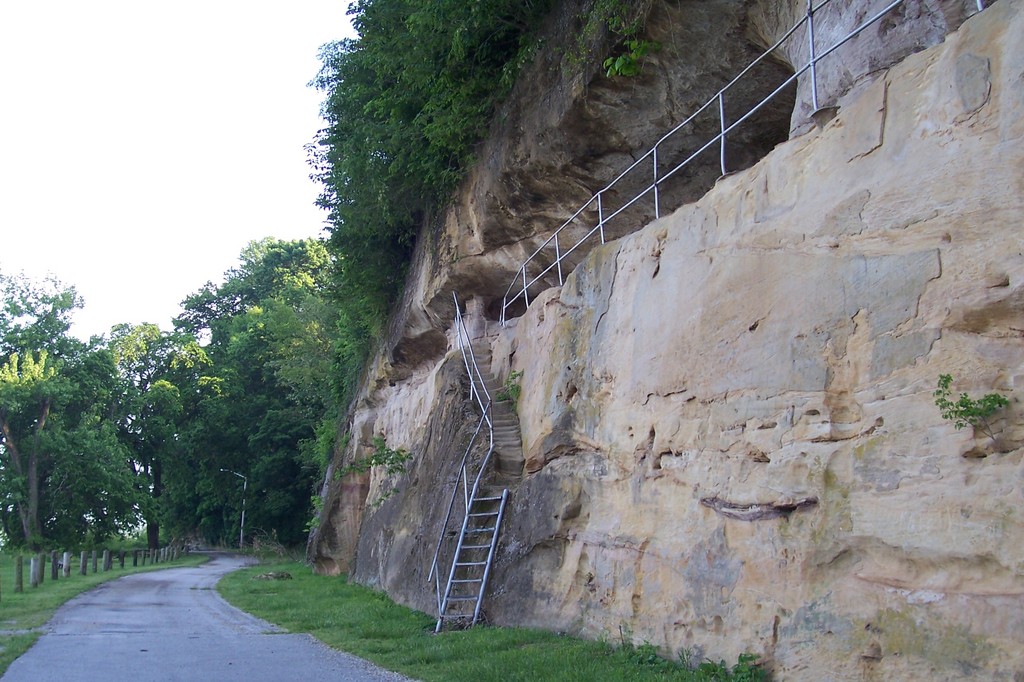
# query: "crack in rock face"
[758,511]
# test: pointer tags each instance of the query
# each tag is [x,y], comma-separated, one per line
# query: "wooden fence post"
[33,570]
[85,564]
[120,558]
[67,564]
[94,562]
[42,567]
[135,558]
[19,573]
[106,560]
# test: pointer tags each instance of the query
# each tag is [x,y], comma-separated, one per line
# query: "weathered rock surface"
[728,421]
[741,396]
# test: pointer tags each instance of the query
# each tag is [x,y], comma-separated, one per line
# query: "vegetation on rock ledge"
[405,104]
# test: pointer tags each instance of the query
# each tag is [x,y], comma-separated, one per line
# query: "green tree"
[28,389]
[159,372]
[405,104]
[64,475]
[36,316]
[268,388]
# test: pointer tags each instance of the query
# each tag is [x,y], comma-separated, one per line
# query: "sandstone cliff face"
[728,417]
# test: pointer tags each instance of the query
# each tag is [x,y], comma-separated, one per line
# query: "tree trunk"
[32,511]
[153,523]
[33,527]
[14,454]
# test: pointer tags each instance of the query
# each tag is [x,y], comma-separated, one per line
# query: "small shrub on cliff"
[511,390]
[393,461]
[624,20]
[966,411]
[629,61]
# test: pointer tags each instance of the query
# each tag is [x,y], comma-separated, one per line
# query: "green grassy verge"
[22,613]
[358,620]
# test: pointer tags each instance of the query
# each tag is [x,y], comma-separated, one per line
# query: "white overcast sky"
[143,143]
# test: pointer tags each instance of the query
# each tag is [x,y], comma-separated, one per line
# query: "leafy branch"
[966,411]
[511,390]
[393,461]
[629,62]
[623,20]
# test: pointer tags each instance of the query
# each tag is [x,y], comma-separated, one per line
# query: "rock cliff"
[727,416]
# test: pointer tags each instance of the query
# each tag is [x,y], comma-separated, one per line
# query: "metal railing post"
[721,135]
[814,59]
[558,261]
[657,211]
[526,291]
[600,216]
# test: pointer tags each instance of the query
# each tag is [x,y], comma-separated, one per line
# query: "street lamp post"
[245,484]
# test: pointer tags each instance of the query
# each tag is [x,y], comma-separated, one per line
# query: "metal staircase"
[484,492]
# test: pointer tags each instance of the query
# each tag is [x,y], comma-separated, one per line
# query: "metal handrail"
[521,278]
[478,392]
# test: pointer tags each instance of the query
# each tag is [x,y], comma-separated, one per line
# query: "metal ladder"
[482,509]
[474,556]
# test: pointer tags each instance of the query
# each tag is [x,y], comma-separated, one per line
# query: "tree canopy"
[63,471]
[135,428]
[257,408]
[405,105]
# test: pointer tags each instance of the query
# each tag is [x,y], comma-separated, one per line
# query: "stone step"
[509,467]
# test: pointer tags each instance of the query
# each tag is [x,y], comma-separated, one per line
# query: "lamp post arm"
[245,486]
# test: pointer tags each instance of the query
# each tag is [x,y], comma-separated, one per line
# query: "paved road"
[170,626]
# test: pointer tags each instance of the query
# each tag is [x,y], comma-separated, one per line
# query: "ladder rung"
[476,547]
[491,513]
[470,563]
[451,599]
[486,499]
[480,530]
[469,580]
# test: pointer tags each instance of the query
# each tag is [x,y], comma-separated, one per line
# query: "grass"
[23,613]
[368,624]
